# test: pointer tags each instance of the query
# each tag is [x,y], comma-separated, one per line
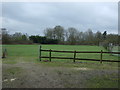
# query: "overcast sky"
[33,18]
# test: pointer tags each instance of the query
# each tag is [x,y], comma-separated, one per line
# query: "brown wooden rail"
[74,57]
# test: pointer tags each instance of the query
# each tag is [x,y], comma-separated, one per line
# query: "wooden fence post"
[40,53]
[74,56]
[101,57]
[50,55]
[4,53]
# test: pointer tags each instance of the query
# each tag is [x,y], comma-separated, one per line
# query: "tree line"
[16,38]
[59,35]
[73,36]
[43,40]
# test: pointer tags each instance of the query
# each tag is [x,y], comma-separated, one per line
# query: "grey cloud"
[33,18]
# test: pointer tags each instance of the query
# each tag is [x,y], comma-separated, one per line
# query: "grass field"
[116,49]
[33,51]
[29,54]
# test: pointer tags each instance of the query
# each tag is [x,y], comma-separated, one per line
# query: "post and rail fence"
[74,57]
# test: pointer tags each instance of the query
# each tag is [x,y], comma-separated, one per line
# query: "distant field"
[22,63]
[30,53]
[116,49]
[33,51]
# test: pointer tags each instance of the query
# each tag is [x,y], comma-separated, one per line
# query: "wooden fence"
[74,55]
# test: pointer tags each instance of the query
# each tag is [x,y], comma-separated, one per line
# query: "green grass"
[105,81]
[78,48]
[30,53]
[33,51]
[116,48]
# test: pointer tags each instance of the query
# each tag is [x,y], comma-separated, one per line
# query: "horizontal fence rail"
[74,57]
[80,51]
[80,59]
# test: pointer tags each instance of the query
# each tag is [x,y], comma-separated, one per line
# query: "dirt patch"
[31,75]
[82,69]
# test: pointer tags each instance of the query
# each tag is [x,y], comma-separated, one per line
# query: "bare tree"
[72,35]
[59,33]
[55,33]
[49,33]
[6,39]
[98,37]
